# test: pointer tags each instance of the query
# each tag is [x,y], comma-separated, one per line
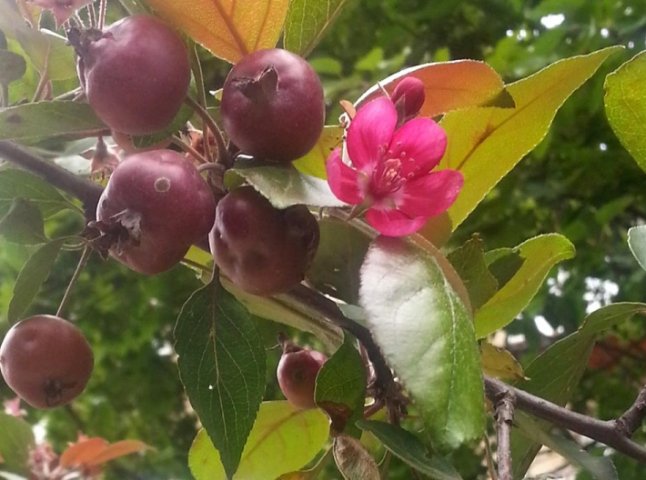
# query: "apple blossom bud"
[408,97]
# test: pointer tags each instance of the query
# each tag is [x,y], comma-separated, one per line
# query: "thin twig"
[44,76]
[190,150]
[223,153]
[602,431]
[504,405]
[103,7]
[70,286]
[632,418]
[86,191]
[201,95]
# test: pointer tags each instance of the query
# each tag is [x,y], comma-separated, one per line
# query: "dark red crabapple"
[262,250]
[46,360]
[135,74]
[165,205]
[297,370]
[273,106]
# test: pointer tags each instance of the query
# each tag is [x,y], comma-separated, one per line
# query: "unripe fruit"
[297,370]
[165,205]
[46,360]
[273,106]
[262,250]
[135,74]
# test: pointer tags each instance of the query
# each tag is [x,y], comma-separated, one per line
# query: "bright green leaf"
[23,223]
[335,269]
[625,101]
[410,449]
[21,184]
[313,163]
[468,261]
[284,186]
[486,143]
[353,460]
[307,21]
[426,335]
[503,263]
[601,468]
[556,372]
[31,122]
[16,438]
[32,275]
[12,67]
[637,244]
[341,387]
[283,439]
[540,254]
[222,365]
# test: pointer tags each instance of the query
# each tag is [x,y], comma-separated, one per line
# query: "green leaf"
[16,437]
[21,184]
[540,254]
[341,388]
[500,363]
[637,244]
[307,21]
[23,223]
[353,460]
[335,269]
[601,468]
[426,334]
[12,67]
[625,101]
[469,262]
[283,439]
[31,122]
[32,275]
[486,143]
[410,449]
[284,186]
[148,141]
[555,373]
[313,162]
[503,263]
[222,365]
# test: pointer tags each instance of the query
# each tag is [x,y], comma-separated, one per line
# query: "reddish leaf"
[79,453]
[116,450]
[450,86]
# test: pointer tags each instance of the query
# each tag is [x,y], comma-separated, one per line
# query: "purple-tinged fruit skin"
[174,204]
[280,119]
[136,75]
[46,360]
[262,250]
[297,373]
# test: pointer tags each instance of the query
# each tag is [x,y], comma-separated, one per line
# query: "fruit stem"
[103,7]
[198,74]
[190,150]
[223,154]
[79,268]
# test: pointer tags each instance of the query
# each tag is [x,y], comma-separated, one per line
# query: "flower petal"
[393,223]
[370,132]
[343,180]
[431,194]
[420,144]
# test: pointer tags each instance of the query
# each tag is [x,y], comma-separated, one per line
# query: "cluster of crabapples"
[135,75]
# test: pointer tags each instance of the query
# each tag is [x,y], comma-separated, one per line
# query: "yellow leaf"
[500,363]
[227,28]
[486,143]
[313,162]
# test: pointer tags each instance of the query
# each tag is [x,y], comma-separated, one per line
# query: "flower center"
[386,178]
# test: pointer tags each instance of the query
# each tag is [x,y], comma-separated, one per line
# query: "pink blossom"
[62,9]
[390,169]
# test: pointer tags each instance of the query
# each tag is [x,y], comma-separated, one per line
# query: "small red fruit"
[163,203]
[135,74]
[46,360]
[273,106]
[297,371]
[262,250]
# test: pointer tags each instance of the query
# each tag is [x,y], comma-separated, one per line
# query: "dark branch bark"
[504,405]
[602,431]
[632,418]
[86,191]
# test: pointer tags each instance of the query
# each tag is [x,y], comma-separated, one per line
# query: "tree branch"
[504,404]
[86,191]
[632,418]
[602,431]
